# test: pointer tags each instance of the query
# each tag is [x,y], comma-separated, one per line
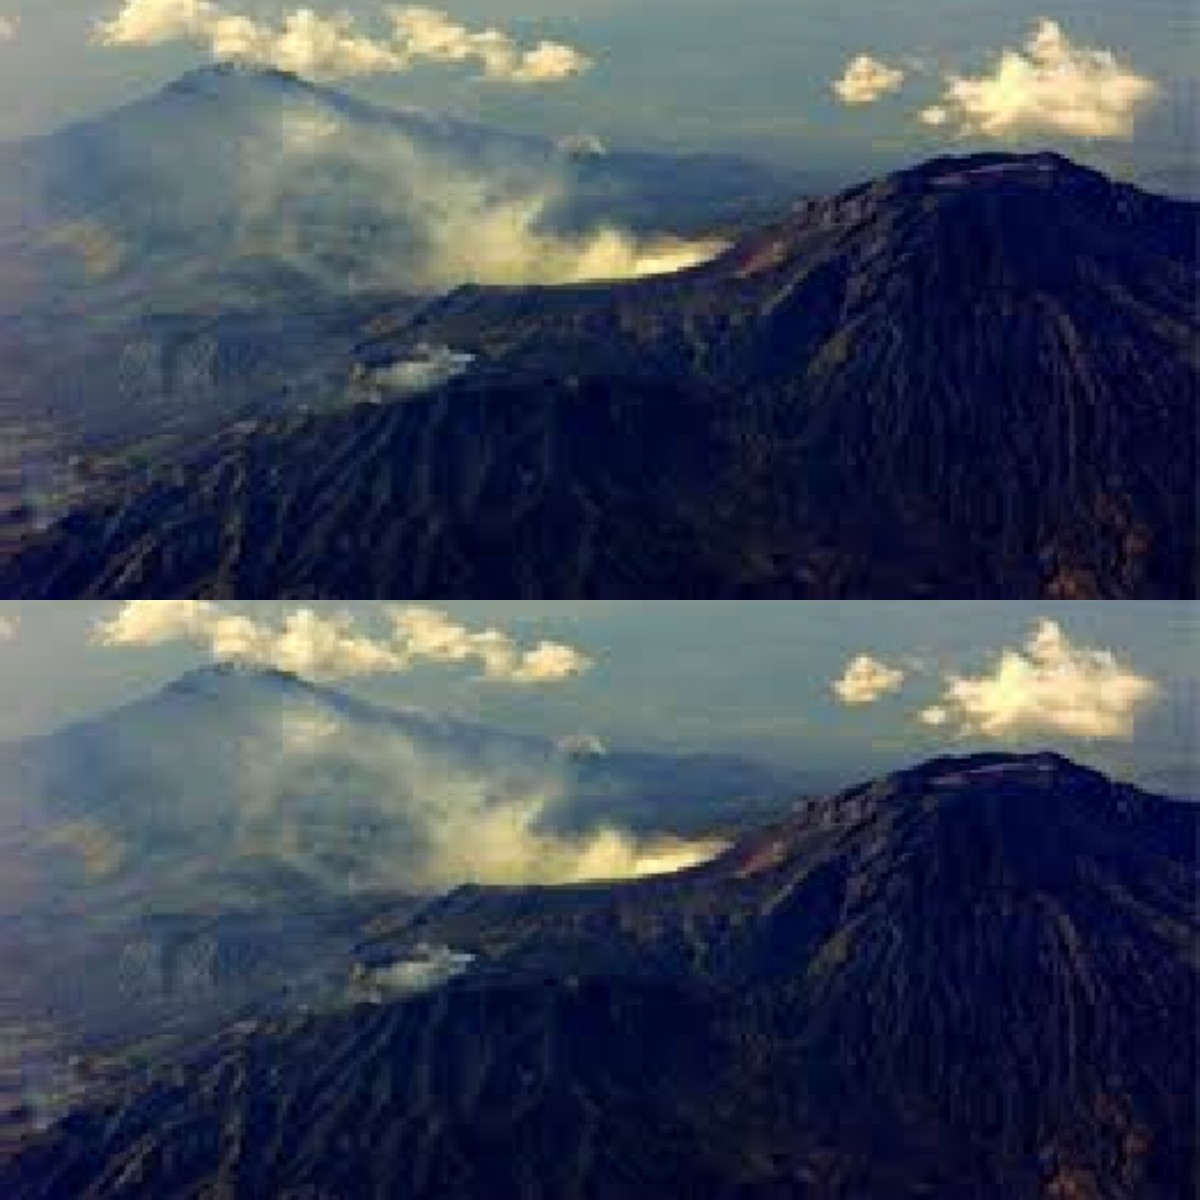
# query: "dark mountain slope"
[974,979]
[976,378]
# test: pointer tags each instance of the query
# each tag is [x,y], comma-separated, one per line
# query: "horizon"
[855,111]
[830,692]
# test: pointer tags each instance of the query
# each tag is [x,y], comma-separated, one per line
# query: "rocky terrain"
[976,378]
[975,978]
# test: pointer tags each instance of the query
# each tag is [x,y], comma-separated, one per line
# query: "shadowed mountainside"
[974,378]
[973,979]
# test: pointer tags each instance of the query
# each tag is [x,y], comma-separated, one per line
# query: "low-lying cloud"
[1049,687]
[1051,86]
[322,46]
[866,80]
[428,367]
[436,211]
[425,970]
[332,646]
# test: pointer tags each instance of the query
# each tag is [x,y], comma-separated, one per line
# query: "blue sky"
[1119,688]
[752,75]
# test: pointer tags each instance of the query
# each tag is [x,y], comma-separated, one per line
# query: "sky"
[837,691]
[757,76]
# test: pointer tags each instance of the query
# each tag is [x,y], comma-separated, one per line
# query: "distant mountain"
[212,253]
[237,188]
[976,978]
[236,788]
[217,849]
[976,378]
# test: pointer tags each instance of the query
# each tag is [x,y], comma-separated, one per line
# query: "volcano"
[976,978]
[976,378]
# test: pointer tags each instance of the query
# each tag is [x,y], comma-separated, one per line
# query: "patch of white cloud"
[429,367]
[9,28]
[866,680]
[1049,87]
[583,745]
[582,145]
[331,46]
[1049,687]
[867,80]
[425,970]
[8,628]
[331,646]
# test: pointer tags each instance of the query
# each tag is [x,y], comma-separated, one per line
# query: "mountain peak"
[218,78]
[217,677]
[995,166]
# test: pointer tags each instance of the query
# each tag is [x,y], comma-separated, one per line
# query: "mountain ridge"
[893,1008]
[918,387]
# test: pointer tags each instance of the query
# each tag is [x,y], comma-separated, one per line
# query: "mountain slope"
[976,378]
[973,979]
[213,252]
[236,188]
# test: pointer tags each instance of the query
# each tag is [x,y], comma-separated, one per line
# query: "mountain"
[237,187]
[212,253]
[235,788]
[215,852]
[975,378]
[972,979]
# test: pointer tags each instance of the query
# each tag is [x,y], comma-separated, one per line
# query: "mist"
[428,216]
[217,806]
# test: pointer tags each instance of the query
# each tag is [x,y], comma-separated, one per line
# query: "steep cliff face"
[976,378]
[977,978]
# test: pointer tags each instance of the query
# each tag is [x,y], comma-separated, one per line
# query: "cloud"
[867,80]
[8,628]
[330,46]
[428,968]
[1051,87]
[9,28]
[441,214]
[866,680]
[582,745]
[428,634]
[1049,687]
[428,367]
[307,643]
[429,34]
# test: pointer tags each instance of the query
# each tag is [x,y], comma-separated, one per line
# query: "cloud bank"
[331,46]
[866,80]
[1050,687]
[1050,87]
[318,646]
[867,680]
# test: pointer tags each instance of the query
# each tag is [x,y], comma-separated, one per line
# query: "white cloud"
[428,368]
[429,634]
[8,628]
[9,27]
[431,35]
[1049,687]
[866,680]
[1050,87]
[331,46]
[308,643]
[867,80]
[428,968]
